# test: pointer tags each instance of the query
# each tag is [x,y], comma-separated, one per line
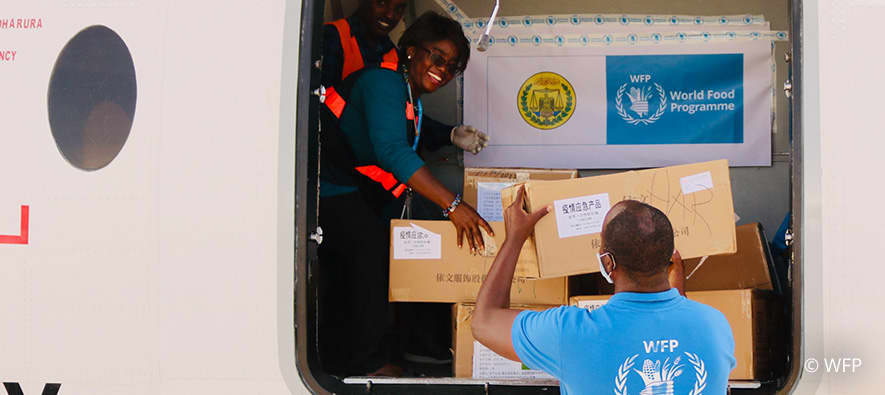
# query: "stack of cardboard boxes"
[427,266]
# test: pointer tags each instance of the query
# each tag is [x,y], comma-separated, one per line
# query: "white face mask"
[606,274]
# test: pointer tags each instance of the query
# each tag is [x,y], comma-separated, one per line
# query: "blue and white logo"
[640,93]
[674,99]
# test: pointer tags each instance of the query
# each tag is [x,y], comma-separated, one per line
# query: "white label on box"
[581,215]
[591,304]
[698,182]
[489,365]
[415,242]
[488,200]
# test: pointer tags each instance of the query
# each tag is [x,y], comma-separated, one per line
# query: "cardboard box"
[473,360]
[755,319]
[483,185]
[749,267]
[696,198]
[426,265]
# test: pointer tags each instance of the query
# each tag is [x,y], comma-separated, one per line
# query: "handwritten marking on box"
[591,304]
[488,200]
[581,215]
[697,182]
[415,242]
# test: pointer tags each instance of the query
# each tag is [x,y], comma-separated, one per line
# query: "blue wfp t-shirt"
[649,343]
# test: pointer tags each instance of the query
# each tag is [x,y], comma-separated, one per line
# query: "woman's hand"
[465,218]
[467,221]
[469,138]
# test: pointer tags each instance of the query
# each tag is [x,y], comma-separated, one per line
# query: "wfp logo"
[648,101]
[546,100]
[661,379]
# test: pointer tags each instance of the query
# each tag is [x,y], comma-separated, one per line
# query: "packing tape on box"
[491,247]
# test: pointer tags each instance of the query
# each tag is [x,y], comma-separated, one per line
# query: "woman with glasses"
[370,139]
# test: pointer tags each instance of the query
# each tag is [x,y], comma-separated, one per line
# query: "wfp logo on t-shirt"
[661,376]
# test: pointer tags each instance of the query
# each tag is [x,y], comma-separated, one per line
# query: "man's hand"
[469,138]
[676,274]
[518,223]
[493,319]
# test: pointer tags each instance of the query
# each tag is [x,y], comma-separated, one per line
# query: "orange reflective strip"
[334,102]
[410,111]
[353,58]
[378,175]
[390,60]
[391,57]
[398,190]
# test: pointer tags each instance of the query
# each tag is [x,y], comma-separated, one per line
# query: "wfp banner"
[621,106]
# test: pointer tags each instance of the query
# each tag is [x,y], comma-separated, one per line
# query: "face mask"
[606,274]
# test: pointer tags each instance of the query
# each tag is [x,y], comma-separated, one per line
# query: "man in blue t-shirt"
[648,339]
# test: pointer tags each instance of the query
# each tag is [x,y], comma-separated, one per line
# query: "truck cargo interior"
[767,203]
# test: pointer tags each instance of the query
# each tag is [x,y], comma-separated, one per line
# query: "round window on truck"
[91,98]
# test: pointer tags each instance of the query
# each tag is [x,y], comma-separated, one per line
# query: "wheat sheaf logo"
[640,110]
[659,378]
[546,100]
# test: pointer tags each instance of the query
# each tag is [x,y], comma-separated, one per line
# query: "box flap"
[747,268]
[696,198]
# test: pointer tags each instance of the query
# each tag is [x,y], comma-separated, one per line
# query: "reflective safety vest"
[336,152]
[353,57]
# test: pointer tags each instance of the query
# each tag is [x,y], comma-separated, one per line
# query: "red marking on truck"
[22,237]
[7,55]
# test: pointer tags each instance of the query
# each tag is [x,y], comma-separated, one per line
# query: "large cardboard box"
[696,198]
[473,360]
[426,265]
[483,185]
[755,319]
[749,267]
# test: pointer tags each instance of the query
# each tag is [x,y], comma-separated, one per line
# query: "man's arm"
[493,319]
[333,56]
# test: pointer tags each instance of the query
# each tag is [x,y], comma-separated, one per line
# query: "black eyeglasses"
[437,60]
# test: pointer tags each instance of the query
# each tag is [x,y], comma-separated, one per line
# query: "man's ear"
[609,267]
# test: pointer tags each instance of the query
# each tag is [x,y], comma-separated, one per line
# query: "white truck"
[163,246]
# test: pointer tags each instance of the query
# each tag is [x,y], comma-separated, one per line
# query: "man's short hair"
[641,239]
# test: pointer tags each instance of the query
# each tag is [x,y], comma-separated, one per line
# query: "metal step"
[499,382]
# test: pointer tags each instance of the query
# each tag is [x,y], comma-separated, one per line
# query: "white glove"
[469,138]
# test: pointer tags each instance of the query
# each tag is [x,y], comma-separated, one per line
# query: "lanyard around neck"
[419,113]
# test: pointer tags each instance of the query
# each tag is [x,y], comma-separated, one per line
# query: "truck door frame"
[307,235]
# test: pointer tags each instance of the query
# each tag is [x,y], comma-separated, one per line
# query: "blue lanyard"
[418,117]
